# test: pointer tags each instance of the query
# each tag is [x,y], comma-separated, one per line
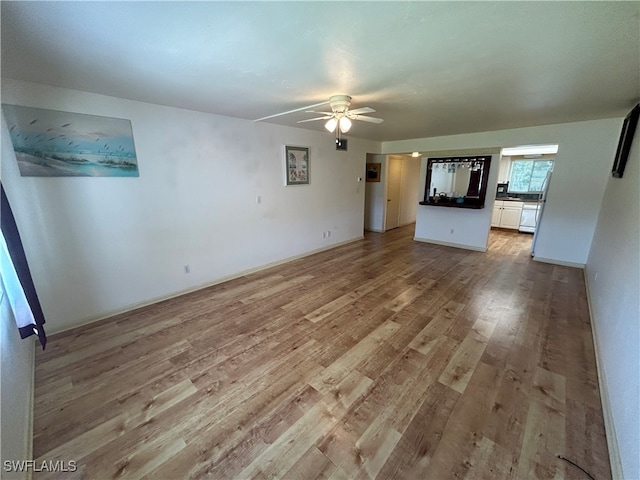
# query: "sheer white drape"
[14,291]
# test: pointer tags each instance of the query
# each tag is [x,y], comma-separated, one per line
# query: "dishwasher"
[528,217]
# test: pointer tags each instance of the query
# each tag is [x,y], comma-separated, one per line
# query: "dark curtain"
[474,183]
[19,260]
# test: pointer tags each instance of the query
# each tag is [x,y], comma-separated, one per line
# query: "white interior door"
[394,180]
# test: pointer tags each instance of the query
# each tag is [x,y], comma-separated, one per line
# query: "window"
[528,175]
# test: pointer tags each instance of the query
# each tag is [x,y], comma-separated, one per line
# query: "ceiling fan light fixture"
[331,124]
[340,117]
[345,124]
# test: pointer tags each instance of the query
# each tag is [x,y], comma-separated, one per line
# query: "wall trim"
[407,223]
[449,244]
[377,230]
[609,426]
[558,262]
[134,306]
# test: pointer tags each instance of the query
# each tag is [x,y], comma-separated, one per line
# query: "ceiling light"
[415,154]
[531,150]
[331,124]
[345,124]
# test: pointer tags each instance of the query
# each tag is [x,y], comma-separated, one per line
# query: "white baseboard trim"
[609,426]
[377,230]
[449,244]
[558,262]
[134,306]
[407,223]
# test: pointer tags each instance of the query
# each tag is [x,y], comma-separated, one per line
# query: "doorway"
[392,196]
[523,180]
[509,242]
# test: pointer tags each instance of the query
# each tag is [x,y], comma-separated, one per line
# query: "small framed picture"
[373,172]
[297,165]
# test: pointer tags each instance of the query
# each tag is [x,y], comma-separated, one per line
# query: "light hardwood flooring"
[384,358]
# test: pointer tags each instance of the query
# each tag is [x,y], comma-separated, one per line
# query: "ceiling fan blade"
[358,111]
[314,119]
[290,111]
[367,119]
[321,113]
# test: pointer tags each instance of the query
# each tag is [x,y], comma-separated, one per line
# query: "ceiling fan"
[339,117]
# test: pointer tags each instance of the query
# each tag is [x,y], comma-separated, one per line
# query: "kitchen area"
[523,180]
[515,211]
[515,192]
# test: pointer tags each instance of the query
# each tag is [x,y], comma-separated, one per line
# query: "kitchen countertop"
[510,199]
[516,199]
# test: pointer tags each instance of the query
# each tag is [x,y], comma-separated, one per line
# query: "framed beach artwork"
[49,143]
[297,165]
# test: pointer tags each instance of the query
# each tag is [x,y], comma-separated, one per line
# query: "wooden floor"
[384,358]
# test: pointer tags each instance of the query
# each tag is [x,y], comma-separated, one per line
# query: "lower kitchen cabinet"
[506,214]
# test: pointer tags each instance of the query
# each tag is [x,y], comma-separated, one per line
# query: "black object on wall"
[476,171]
[626,139]
[502,190]
[19,260]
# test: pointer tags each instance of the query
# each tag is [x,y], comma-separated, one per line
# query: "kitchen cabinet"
[495,216]
[506,214]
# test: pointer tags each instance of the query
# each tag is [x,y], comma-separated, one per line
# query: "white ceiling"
[427,68]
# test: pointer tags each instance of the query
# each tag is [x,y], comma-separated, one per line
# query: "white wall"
[462,227]
[102,245]
[585,155]
[376,196]
[613,281]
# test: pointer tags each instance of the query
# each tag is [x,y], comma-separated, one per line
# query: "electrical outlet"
[187,269]
[329,233]
[324,234]
[258,199]
[451,231]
